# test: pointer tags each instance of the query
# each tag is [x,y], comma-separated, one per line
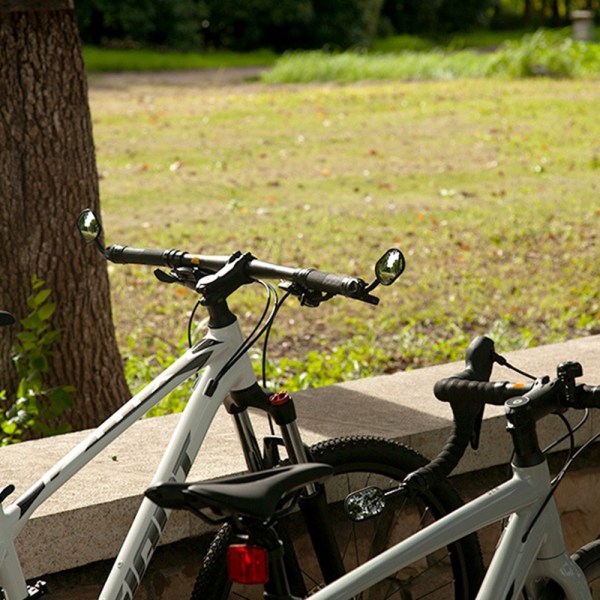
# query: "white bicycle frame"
[211,355]
[531,549]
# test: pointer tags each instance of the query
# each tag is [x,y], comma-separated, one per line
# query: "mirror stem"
[372,286]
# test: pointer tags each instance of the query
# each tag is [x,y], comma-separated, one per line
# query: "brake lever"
[186,276]
[368,298]
[313,298]
[306,296]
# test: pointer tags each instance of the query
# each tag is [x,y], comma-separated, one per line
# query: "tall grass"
[542,53]
[349,67]
[473,39]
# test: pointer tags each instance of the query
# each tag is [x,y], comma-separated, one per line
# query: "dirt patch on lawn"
[188,78]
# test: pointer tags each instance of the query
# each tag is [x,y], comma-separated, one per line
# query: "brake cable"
[503,362]
[570,435]
[252,338]
[560,475]
[190,322]
[278,305]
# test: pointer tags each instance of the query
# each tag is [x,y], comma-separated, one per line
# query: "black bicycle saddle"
[6,318]
[257,495]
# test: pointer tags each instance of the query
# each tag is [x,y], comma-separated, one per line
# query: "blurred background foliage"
[303,24]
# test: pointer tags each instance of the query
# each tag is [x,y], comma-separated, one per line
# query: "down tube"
[510,497]
[147,527]
[19,512]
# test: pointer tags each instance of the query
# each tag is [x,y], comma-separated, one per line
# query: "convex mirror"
[364,504]
[90,228]
[390,266]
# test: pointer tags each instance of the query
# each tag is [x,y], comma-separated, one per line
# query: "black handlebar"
[469,391]
[496,393]
[327,283]
[587,396]
[146,256]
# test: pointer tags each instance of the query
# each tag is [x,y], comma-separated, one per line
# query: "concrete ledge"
[88,518]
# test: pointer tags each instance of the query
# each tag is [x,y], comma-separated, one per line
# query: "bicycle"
[224,375]
[530,559]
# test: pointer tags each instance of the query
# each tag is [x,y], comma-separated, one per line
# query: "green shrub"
[173,23]
[460,16]
[431,17]
[345,23]
[141,369]
[354,359]
[548,53]
[410,16]
[289,24]
[36,407]
[255,24]
[230,24]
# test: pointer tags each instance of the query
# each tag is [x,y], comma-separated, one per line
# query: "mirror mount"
[90,229]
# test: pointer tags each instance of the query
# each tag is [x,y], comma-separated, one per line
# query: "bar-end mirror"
[90,228]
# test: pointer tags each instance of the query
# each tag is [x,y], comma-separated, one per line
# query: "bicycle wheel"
[361,461]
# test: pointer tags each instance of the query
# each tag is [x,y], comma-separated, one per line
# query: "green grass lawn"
[401,56]
[115,60]
[103,60]
[491,188]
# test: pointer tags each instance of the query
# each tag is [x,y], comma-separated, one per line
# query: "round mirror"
[390,266]
[365,504]
[89,226]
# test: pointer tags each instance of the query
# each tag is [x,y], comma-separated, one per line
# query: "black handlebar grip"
[467,413]
[443,464]
[587,396]
[145,256]
[330,283]
[454,389]
[479,363]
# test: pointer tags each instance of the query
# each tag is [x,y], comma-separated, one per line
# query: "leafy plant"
[36,408]
[353,359]
[547,53]
[142,368]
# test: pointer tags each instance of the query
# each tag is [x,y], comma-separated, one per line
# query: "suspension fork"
[313,504]
[315,510]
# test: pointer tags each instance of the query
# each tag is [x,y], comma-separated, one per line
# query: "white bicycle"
[225,376]
[530,561]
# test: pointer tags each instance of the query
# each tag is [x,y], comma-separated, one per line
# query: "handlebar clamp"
[220,285]
[566,373]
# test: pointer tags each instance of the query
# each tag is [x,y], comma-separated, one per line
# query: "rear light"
[247,564]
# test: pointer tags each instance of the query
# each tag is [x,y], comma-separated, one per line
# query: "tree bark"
[47,176]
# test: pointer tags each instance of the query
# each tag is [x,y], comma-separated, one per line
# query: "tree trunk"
[47,176]
[527,12]
[555,13]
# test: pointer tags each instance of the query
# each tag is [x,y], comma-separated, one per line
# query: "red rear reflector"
[247,564]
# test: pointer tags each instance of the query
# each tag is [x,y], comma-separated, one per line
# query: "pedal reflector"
[247,564]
